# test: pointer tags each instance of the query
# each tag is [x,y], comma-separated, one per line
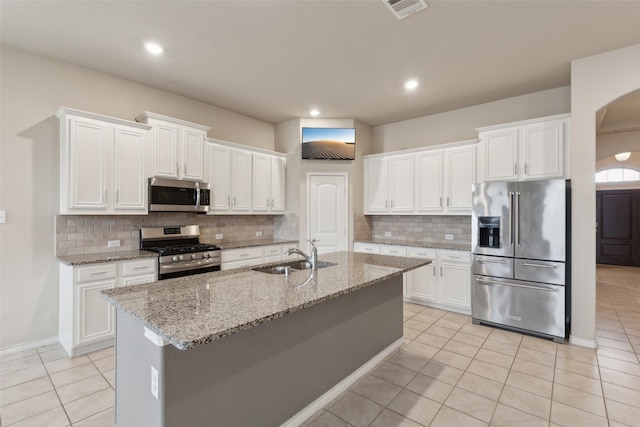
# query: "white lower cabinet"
[445,283]
[86,321]
[248,257]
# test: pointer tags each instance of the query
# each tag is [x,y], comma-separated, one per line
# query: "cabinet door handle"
[515,169]
[100,273]
[141,268]
[244,255]
[391,203]
[106,196]
[440,271]
[228,201]
[440,201]
[434,270]
[525,168]
[386,204]
[184,168]
[234,201]
[447,202]
[177,169]
[117,197]
[268,204]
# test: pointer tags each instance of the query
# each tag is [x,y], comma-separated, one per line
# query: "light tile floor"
[449,373]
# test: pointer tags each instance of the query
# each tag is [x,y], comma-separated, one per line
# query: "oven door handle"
[491,282]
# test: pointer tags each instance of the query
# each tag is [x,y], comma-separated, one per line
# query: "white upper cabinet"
[429,181]
[389,184]
[528,150]
[177,146]
[421,182]
[245,181]
[459,175]
[102,164]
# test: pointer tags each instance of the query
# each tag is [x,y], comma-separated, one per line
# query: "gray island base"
[275,372]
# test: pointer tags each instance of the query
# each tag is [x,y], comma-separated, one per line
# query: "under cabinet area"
[245,180]
[445,283]
[102,164]
[177,147]
[527,150]
[86,320]
[434,181]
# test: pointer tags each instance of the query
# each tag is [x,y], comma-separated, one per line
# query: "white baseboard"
[583,342]
[28,345]
[343,385]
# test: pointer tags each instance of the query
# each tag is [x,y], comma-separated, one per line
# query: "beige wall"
[459,125]
[595,82]
[288,140]
[32,88]
[608,145]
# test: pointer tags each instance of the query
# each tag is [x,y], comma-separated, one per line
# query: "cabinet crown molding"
[525,122]
[245,147]
[144,117]
[66,111]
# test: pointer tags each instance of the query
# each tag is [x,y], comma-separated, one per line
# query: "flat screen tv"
[329,143]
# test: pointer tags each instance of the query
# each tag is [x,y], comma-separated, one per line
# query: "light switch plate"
[154,382]
[218,236]
[113,244]
[3,217]
[448,236]
[258,233]
[387,234]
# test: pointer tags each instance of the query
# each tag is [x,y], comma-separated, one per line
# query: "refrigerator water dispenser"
[489,231]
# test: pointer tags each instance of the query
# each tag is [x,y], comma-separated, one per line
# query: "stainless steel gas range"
[180,251]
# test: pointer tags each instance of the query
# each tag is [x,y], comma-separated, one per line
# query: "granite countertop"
[432,245]
[106,257]
[195,310]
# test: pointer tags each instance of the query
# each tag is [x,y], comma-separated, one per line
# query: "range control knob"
[193,256]
[181,257]
[174,259]
[207,255]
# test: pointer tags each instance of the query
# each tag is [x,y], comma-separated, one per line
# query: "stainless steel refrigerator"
[520,267]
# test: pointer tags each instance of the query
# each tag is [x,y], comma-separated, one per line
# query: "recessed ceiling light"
[314,112]
[411,84]
[153,48]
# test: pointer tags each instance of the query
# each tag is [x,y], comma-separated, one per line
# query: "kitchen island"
[242,347]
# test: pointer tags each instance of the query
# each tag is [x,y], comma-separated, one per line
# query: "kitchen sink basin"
[279,269]
[292,266]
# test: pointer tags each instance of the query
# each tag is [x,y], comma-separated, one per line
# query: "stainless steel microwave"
[173,195]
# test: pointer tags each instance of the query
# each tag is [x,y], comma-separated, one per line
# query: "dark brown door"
[618,232]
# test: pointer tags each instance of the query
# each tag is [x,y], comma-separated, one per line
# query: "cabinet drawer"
[96,272]
[135,268]
[371,248]
[241,254]
[393,250]
[454,256]
[422,253]
[273,251]
[241,264]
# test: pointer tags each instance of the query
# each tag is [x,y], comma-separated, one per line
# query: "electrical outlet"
[218,236]
[258,233]
[113,244]
[3,217]
[387,234]
[154,382]
[448,236]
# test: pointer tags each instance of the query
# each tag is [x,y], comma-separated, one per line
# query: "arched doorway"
[595,82]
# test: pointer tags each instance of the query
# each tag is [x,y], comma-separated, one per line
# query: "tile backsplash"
[423,228]
[88,234]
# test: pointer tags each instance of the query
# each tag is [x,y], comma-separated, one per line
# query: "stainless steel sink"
[289,267]
[279,269]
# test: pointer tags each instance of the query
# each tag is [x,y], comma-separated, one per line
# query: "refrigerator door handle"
[528,264]
[491,261]
[510,217]
[517,218]
[491,282]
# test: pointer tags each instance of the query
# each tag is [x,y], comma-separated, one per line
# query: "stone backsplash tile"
[88,234]
[421,228]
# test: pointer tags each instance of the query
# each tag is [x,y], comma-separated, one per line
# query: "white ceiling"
[275,60]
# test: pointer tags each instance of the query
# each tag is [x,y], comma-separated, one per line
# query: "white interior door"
[328,212]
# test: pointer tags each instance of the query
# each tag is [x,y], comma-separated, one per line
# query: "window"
[618,175]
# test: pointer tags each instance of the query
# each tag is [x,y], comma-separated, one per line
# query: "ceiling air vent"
[403,8]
